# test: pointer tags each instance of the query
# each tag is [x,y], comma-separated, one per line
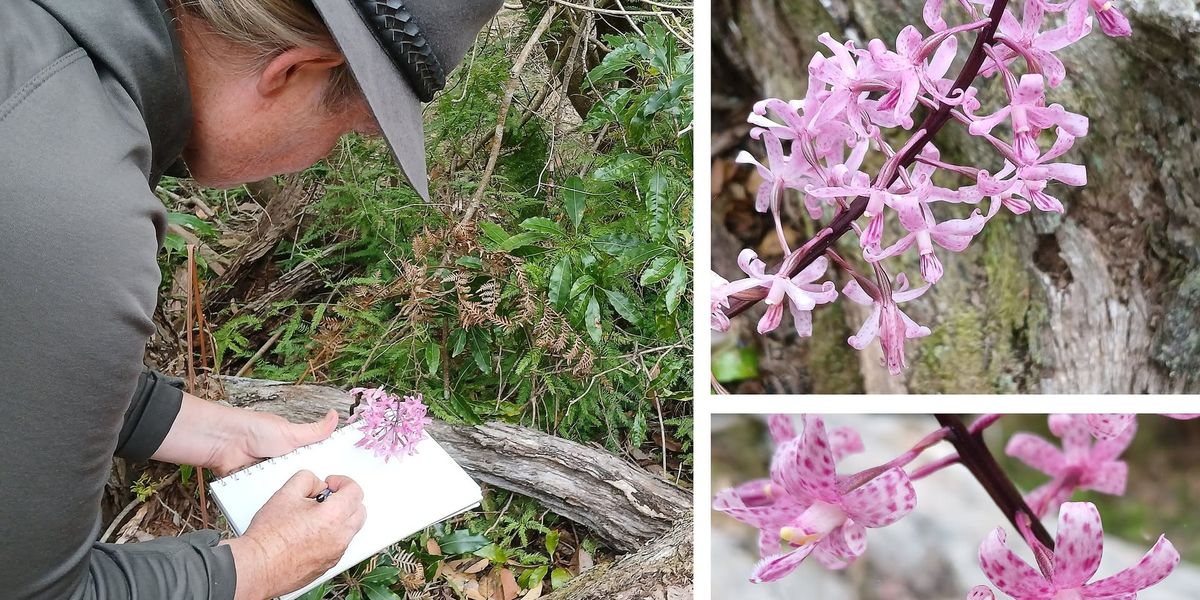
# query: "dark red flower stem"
[932,124]
[975,456]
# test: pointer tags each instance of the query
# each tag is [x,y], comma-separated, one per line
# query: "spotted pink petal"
[981,592]
[781,427]
[1035,452]
[1108,477]
[1008,572]
[778,566]
[804,466]
[842,546]
[845,441]
[1079,544]
[1153,568]
[882,500]
[1108,426]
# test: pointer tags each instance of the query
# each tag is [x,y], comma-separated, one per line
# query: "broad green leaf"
[531,577]
[382,574]
[592,319]
[493,232]
[658,270]
[433,357]
[560,282]
[494,553]
[354,594]
[559,577]
[378,591]
[735,364]
[481,351]
[620,168]
[581,285]
[542,225]
[618,244]
[471,262]
[185,473]
[624,306]
[574,199]
[461,541]
[459,338]
[551,542]
[316,593]
[677,286]
[521,240]
[465,411]
[190,221]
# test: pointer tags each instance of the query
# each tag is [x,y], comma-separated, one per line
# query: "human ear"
[295,64]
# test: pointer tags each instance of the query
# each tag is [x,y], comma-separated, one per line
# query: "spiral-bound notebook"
[402,496]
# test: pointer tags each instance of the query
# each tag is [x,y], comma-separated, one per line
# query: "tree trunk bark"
[1105,298]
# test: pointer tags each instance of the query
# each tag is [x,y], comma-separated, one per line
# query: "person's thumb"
[304,434]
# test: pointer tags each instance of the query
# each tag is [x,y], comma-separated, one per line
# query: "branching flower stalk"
[807,509]
[817,146]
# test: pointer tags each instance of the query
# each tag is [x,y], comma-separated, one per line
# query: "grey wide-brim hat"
[400,52]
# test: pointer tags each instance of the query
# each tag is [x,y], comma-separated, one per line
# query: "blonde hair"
[267,28]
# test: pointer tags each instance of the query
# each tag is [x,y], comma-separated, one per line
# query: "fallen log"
[623,505]
[661,570]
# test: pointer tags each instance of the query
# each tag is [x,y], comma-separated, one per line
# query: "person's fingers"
[303,434]
[346,489]
[303,483]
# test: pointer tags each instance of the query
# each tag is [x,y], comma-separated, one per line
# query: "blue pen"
[323,495]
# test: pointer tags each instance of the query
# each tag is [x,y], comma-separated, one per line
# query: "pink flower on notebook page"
[391,426]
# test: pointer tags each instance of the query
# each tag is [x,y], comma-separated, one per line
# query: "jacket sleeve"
[187,567]
[79,232]
[151,413]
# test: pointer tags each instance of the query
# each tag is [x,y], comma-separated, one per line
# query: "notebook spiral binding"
[260,465]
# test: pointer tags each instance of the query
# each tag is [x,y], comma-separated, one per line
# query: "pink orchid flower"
[1026,39]
[1066,571]
[718,302]
[1030,115]
[1080,464]
[799,294]
[1113,22]
[1111,426]
[836,519]
[916,217]
[391,427]
[907,66]
[780,172]
[887,321]
[766,505]
[1028,183]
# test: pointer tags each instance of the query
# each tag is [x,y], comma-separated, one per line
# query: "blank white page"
[402,495]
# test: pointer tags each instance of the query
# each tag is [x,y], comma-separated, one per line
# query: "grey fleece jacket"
[94,107]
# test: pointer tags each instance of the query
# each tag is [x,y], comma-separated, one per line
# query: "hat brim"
[393,102]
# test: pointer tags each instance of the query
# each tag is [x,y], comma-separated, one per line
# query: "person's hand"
[261,435]
[293,539]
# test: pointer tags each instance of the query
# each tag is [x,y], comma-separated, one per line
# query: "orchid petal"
[882,500]
[1078,545]
[1153,568]
[1036,452]
[1008,572]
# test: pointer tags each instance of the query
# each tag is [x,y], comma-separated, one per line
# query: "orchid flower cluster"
[818,147]
[807,508]
[391,427]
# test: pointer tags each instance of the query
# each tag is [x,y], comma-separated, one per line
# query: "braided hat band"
[400,36]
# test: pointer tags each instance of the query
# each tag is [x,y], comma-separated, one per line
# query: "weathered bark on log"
[1105,298]
[622,504]
[662,570]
